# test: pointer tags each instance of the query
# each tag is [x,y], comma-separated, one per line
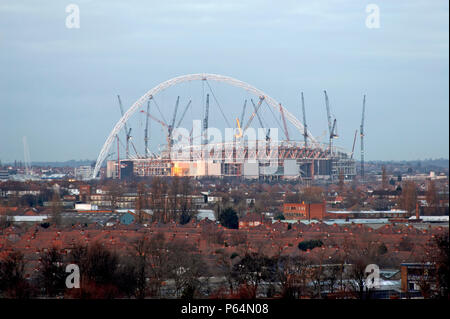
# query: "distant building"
[83,173]
[206,213]
[128,218]
[84,206]
[252,220]
[4,175]
[304,211]
[367,214]
[413,275]
[85,192]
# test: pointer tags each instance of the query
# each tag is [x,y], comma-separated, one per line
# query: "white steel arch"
[186,78]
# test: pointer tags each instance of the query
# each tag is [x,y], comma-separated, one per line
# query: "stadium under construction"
[242,156]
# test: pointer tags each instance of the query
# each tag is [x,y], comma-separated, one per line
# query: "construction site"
[271,153]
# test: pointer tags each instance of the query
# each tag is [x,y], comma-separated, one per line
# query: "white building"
[83,173]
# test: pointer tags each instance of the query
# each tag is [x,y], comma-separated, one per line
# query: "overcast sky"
[58,86]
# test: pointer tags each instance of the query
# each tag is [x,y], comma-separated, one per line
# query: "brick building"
[304,211]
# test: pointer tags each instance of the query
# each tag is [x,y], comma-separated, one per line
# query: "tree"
[158,263]
[309,244]
[12,276]
[252,270]
[341,184]
[4,222]
[141,251]
[313,194]
[408,198]
[184,218]
[440,256]
[141,202]
[185,202]
[432,196]
[380,204]
[28,200]
[52,273]
[158,189]
[228,218]
[293,276]
[224,267]
[56,208]
[99,271]
[384,178]
[174,191]
[357,275]
[382,249]
[185,266]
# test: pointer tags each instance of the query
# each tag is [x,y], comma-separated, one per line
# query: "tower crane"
[260,121]
[171,126]
[261,99]
[361,132]
[205,120]
[243,112]
[353,147]
[127,132]
[160,122]
[184,113]
[146,130]
[331,124]
[305,130]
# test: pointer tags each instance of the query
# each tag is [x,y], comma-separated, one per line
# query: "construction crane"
[238,135]
[305,130]
[171,126]
[146,130]
[361,132]
[260,121]
[205,120]
[261,99]
[243,112]
[353,147]
[26,156]
[284,123]
[331,124]
[127,132]
[160,122]
[184,113]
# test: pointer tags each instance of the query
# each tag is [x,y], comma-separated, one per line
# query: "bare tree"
[12,276]
[408,198]
[52,272]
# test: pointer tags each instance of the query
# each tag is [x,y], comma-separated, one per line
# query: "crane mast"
[261,99]
[327,104]
[146,130]
[331,123]
[361,131]
[184,113]
[353,147]
[243,112]
[205,120]
[260,120]
[127,132]
[171,126]
[305,129]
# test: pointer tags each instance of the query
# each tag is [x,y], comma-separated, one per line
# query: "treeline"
[153,267]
